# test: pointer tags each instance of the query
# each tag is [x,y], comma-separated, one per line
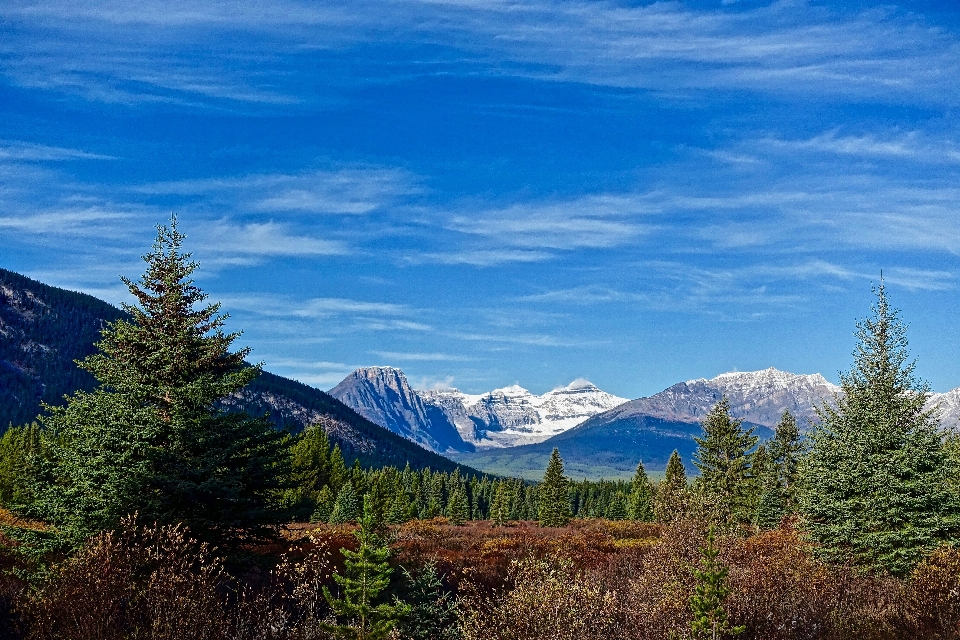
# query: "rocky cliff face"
[384,396]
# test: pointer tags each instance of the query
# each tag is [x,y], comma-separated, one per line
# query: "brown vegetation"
[594,579]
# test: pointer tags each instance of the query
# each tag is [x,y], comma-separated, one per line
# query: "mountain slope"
[43,329]
[383,395]
[610,444]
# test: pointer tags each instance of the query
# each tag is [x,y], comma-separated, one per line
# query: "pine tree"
[877,478]
[617,507]
[339,474]
[324,505]
[671,497]
[149,438]
[554,499]
[641,496]
[401,507]
[458,510]
[309,470]
[723,458]
[366,574]
[346,508]
[499,505]
[433,608]
[709,617]
[786,450]
[770,503]
[21,448]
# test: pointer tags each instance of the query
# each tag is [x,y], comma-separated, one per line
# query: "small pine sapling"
[366,575]
[709,617]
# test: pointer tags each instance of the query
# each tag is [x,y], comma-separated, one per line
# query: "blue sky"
[485,192]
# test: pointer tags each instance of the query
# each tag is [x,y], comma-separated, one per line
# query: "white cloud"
[267,239]
[27,152]
[352,190]
[664,46]
[419,356]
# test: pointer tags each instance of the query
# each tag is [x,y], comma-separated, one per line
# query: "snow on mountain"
[759,397]
[513,416]
[949,404]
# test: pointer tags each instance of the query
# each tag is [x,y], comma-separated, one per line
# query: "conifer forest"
[140,508]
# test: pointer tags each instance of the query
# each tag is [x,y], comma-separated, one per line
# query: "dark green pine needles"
[366,575]
[554,499]
[149,438]
[709,617]
[724,460]
[876,480]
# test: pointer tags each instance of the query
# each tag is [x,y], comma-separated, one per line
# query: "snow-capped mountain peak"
[504,417]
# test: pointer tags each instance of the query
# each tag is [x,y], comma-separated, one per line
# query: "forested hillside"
[43,329]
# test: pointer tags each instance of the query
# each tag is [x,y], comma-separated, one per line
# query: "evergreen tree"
[433,608]
[149,438]
[309,470]
[709,617]
[21,448]
[401,508]
[770,504]
[786,450]
[324,505]
[617,507]
[500,507]
[346,508]
[641,496]
[554,499]
[723,458]
[366,574]
[458,510]
[670,503]
[339,474]
[877,478]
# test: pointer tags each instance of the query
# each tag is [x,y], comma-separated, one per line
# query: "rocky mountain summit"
[758,397]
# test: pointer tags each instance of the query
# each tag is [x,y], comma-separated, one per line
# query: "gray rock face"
[384,396]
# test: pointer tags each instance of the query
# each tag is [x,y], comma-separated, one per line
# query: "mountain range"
[378,418]
[43,329]
[448,420]
[511,431]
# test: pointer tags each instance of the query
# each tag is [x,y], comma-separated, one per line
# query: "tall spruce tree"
[786,449]
[310,471]
[770,506]
[640,503]
[723,458]
[671,497]
[554,498]
[877,478]
[149,438]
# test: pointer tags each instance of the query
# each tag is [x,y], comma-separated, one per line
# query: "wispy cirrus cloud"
[255,240]
[401,356]
[73,222]
[667,47]
[27,152]
[532,231]
[349,190]
[273,305]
